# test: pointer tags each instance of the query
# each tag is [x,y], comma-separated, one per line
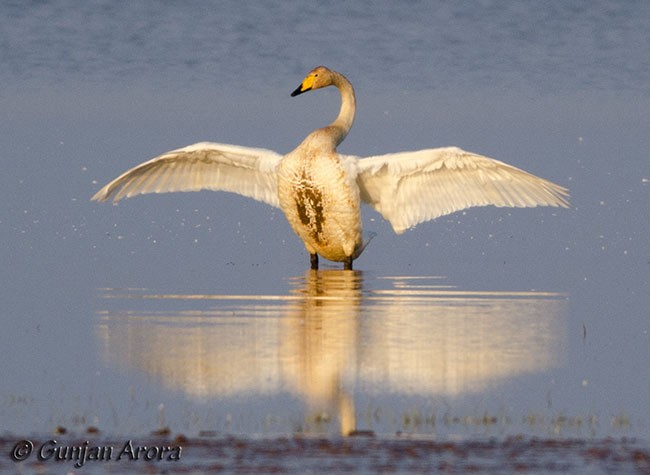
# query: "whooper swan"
[320,191]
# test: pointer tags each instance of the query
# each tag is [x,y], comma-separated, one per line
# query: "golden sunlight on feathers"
[320,191]
[408,188]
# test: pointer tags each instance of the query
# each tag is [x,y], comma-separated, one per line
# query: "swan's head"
[317,78]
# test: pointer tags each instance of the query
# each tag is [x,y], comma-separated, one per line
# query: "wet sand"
[363,453]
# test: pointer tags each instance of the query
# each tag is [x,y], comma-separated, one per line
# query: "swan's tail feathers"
[366,241]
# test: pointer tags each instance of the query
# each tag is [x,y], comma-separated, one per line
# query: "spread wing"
[203,166]
[408,188]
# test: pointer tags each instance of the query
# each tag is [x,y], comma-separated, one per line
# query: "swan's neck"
[343,122]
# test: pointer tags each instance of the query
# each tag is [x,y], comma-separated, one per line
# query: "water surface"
[194,312]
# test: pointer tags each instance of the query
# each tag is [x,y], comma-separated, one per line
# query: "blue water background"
[90,89]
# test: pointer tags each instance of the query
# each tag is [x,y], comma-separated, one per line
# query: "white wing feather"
[203,166]
[408,188]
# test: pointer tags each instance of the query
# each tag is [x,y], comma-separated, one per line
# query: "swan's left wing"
[203,166]
[408,188]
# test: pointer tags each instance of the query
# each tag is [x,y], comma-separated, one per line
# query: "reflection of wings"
[460,342]
[408,188]
[202,166]
[424,338]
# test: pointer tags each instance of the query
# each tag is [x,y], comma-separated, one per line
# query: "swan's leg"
[313,258]
[347,263]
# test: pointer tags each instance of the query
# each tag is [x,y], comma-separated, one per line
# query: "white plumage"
[408,188]
[320,190]
[202,166]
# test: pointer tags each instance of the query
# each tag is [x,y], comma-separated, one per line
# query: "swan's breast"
[320,204]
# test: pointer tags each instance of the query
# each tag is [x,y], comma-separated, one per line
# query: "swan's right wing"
[247,171]
[408,188]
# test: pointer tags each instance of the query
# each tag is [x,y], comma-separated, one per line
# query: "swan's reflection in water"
[335,334]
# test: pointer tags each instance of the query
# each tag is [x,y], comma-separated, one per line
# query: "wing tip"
[100,196]
[104,195]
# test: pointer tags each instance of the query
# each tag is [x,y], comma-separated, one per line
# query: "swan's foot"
[313,259]
[347,263]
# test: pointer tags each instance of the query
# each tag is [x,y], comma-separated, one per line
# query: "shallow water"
[342,345]
[194,312]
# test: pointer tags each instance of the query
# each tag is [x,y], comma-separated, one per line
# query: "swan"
[320,191]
